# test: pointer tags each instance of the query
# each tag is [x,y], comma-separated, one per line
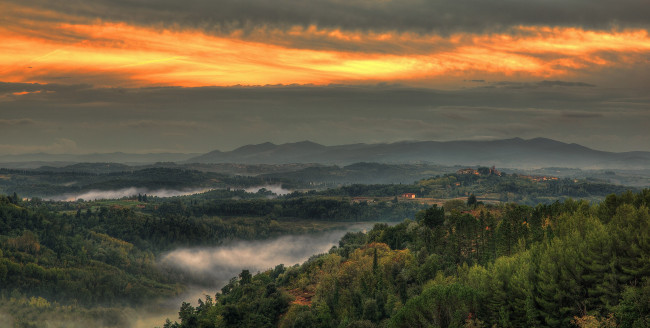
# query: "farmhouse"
[408,195]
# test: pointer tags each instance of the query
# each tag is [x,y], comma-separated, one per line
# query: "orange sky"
[118,54]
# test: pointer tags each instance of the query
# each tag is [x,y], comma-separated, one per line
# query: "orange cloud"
[118,54]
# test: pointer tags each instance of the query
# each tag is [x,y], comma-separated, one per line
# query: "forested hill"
[568,264]
[82,264]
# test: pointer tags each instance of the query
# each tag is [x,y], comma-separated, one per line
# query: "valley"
[114,245]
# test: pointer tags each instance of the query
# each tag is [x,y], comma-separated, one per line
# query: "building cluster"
[480,171]
[468,171]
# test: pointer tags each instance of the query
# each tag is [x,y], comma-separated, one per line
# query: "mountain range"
[516,152]
[512,153]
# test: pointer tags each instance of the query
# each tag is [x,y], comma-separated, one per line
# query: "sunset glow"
[127,55]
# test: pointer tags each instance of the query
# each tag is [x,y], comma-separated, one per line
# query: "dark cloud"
[564,84]
[397,15]
[540,84]
[515,129]
[16,122]
[335,98]
[581,115]
[456,116]
[150,123]
[10,87]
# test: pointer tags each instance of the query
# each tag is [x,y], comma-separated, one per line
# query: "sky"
[195,76]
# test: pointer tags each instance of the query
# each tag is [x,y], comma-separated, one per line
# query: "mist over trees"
[471,261]
[560,265]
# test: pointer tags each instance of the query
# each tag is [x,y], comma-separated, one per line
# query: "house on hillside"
[408,195]
[467,171]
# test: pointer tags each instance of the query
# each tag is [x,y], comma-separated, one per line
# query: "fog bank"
[126,192]
[210,268]
[276,189]
[214,266]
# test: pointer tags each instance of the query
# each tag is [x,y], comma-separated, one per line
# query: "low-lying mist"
[208,269]
[214,266]
[126,192]
[205,270]
[276,189]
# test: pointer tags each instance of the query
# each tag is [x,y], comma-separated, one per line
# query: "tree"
[634,308]
[438,306]
[187,316]
[245,276]
[13,199]
[431,217]
[471,200]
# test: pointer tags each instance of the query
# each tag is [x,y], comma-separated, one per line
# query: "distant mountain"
[516,152]
[266,153]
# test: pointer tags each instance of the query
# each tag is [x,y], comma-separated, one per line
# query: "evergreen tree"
[471,200]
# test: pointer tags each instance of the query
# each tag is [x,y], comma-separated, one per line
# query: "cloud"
[12,91]
[388,15]
[564,84]
[16,122]
[122,54]
[540,84]
[145,124]
[581,115]
[515,129]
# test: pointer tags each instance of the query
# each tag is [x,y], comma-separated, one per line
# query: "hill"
[560,265]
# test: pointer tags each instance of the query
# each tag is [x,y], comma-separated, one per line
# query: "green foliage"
[431,217]
[552,265]
[314,208]
[556,265]
[58,257]
[252,301]
[634,309]
[438,305]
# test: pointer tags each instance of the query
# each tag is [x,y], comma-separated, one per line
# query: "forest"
[483,256]
[93,259]
[567,264]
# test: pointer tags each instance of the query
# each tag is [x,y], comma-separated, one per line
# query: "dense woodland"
[92,256]
[565,264]
[481,263]
[312,208]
